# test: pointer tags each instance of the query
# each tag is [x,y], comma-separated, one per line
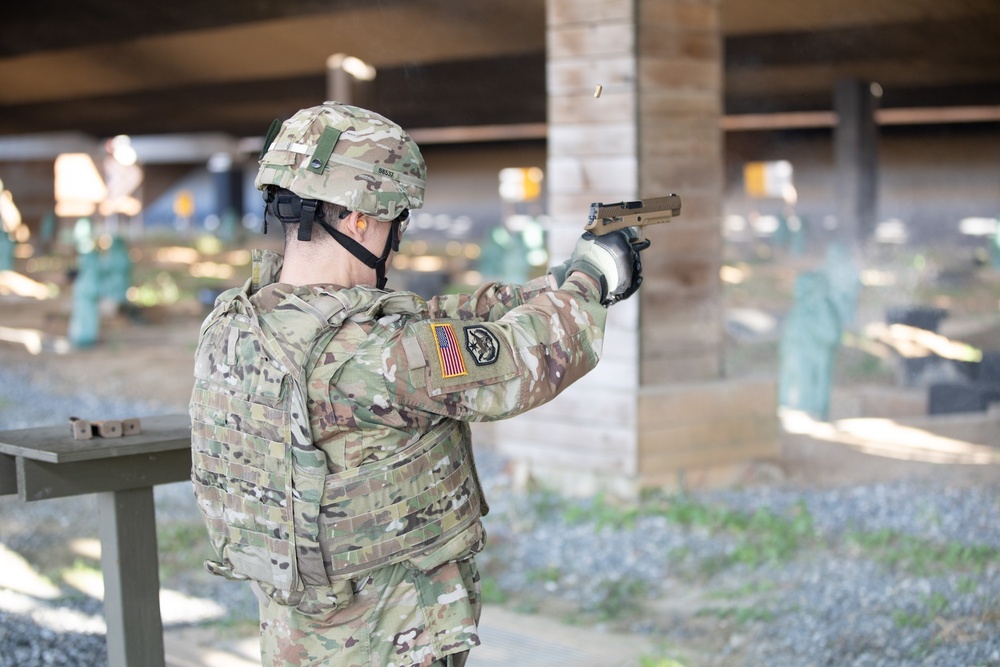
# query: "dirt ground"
[147,357]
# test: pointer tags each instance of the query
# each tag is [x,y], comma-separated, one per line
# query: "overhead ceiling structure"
[107,67]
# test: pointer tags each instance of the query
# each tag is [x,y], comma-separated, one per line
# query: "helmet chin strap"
[364,255]
[288,208]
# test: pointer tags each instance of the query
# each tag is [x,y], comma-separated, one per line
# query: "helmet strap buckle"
[306,217]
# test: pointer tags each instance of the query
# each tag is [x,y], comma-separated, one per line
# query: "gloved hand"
[559,272]
[612,260]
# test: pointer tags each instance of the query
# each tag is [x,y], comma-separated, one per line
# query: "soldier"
[331,453]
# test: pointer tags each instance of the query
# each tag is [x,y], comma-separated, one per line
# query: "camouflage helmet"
[346,155]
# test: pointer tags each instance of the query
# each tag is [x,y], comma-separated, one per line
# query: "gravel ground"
[901,574]
[875,574]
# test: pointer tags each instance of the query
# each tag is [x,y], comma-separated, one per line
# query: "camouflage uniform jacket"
[391,374]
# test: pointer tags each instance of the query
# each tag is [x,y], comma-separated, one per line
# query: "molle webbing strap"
[394,509]
[243,448]
[324,149]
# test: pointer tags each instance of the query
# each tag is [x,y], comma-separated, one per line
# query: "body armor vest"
[274,512]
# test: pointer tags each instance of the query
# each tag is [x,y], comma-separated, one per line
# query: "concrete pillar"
[656,402]
[856,161]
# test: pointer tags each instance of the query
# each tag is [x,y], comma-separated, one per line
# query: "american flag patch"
[450,355]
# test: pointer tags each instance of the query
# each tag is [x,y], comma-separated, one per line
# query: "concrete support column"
[654,130]
[586,439]
[680,150]
[856,161]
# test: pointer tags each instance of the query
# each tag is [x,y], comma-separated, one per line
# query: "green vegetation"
[603,512]
[923,557]
[544,575]
[646,661]
[935,606]
[752,539]
[619,599]
[491,591]
[967,586]
[908,619]
[762,536]
[83,575]
[183,547]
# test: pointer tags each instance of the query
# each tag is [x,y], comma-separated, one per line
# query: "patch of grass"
[603,512]
[922,557]
[529,605]
[648,661]
[908,619]
[967,586]
[619,599]
[679,554]
[84,567]
[547,504]
[935,606]
[491,591]
[761,537]
[83,575]
[183,546]
[543,575]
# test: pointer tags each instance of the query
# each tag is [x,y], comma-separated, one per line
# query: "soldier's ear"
[355,226]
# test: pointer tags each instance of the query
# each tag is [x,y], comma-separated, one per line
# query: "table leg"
[8,475]
[131,578]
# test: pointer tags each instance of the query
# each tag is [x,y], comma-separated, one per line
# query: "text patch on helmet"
[450,355]
[482,345]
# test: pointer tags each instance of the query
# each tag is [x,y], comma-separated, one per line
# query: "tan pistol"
[605,218]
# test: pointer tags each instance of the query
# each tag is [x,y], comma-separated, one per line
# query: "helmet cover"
[346,155]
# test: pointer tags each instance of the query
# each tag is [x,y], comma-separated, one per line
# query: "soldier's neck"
[308,263]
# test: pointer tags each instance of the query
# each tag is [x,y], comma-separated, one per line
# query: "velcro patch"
[450,355]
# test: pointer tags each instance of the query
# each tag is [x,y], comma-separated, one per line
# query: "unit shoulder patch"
[482,344]
[458,355]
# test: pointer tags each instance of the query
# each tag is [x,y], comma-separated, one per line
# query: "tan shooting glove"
[612,260]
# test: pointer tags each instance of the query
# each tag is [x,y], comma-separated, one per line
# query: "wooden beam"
[40,480]
[901,116]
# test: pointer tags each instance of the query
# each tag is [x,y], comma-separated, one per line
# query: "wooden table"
[41,463]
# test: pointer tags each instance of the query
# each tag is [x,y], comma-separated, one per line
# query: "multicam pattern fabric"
[349,156]
[375,391]
[400,617]
[275,512]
